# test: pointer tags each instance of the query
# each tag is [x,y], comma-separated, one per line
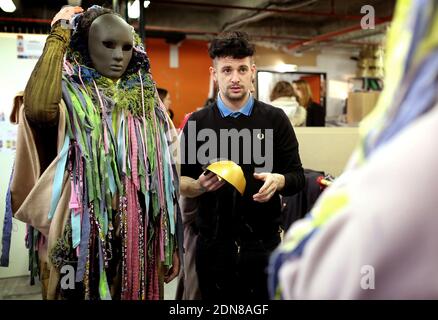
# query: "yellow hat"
[231,172]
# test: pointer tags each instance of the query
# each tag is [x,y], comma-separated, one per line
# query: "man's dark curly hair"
[79,38]
[234,44]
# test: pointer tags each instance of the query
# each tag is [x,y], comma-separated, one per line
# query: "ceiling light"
[284,67]
[134,8]
[7,5]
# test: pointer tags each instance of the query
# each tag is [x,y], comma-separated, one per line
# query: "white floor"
[19,288]
[170,290]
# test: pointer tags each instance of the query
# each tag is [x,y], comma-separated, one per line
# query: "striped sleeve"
[43,90]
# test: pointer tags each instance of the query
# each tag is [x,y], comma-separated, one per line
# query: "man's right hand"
[209,181]
[66,13]
[206,182]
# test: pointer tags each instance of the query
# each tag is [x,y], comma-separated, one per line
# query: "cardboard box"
[359,104]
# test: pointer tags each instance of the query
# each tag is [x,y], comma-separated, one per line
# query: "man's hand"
[173,272]
[273,182]
[66,13]
[210,182]
[192,188]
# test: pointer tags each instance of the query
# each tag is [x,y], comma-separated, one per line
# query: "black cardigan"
[315,115]
[225,213]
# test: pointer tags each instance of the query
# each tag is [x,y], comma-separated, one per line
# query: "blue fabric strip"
[112,183]
[146,205]
[7,227]
[278,258]
[168,186]
[108,122]
[83,247]
[121,143]
[76,228]
[59,175]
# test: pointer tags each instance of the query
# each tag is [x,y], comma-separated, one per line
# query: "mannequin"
[110,43]
[106,177]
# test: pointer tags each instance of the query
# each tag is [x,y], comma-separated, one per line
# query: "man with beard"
[237,232]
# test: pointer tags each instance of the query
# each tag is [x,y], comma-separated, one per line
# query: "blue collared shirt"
[245,110]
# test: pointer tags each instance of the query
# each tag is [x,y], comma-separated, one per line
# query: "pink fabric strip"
[79,72]
[67,67]
[150,275]
[162,236]
[74,204]
[128,252]
[133,238]
[41,242]
[124,143]
[134,152]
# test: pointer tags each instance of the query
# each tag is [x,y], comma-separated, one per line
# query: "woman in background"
[315,112]
[165,98]
[284,97]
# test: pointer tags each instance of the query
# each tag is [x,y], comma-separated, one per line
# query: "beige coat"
[31,190]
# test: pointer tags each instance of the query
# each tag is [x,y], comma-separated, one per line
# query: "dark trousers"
[234,270]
